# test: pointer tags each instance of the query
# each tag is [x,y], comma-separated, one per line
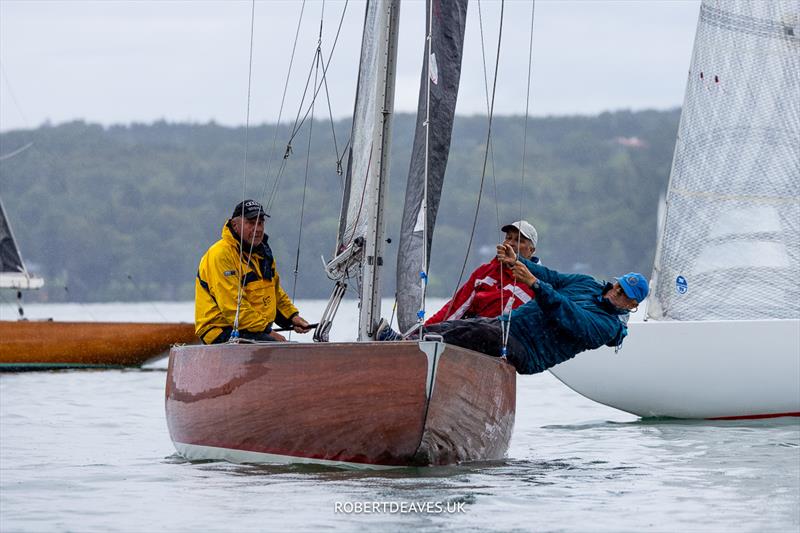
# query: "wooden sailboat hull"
[367,405]
[29,344]
[711,370]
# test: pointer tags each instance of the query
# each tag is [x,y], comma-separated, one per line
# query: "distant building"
[631,142]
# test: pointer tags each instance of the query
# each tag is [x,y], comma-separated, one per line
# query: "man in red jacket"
[491,290]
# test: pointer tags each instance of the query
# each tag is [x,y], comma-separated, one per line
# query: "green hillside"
[125,212]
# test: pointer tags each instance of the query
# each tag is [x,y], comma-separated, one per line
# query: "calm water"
[89,451]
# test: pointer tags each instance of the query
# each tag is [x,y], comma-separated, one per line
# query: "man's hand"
[506,255]
[522,274]
[277,336]
[300,324]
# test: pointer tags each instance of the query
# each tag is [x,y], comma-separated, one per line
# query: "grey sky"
[118,61]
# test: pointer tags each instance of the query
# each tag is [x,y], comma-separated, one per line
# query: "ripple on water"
[91,452]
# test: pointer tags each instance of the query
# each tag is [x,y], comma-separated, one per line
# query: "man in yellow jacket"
[239,269]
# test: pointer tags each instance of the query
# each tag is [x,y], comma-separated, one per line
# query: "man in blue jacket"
[570,314]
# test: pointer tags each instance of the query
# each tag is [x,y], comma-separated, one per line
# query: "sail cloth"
[444,68]
[10,260]
[12,270]
[730,247]
[364,158]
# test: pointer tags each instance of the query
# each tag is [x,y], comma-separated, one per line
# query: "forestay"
[730,247]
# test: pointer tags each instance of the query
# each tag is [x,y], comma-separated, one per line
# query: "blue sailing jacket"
[568,315]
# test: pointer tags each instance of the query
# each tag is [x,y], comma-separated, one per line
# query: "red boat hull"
[361,404]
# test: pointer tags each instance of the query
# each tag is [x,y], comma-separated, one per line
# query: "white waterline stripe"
[196,452]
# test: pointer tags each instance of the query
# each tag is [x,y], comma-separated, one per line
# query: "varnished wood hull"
[30,344]
[356,404]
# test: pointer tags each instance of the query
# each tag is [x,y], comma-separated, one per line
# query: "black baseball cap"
[250,209]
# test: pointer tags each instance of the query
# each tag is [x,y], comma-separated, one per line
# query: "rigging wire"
[235,333]
[506,326]
[339,156]
[308,160]
[297,126]
[491,152]
[486,92]
[423,273]
[318,86]
[280,112]
[485,161]
[13,96]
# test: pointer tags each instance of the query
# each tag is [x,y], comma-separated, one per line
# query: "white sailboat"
[722,335]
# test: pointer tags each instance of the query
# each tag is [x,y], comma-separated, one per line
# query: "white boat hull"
[714,369]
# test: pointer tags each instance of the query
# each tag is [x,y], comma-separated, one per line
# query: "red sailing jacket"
[481,295]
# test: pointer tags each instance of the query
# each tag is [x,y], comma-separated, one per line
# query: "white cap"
[525,228]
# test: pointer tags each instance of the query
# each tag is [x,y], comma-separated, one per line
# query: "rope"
[485,160]
[235,333]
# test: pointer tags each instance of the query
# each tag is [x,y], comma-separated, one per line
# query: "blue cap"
[634,285]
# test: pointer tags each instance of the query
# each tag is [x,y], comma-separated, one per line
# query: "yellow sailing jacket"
[217,286]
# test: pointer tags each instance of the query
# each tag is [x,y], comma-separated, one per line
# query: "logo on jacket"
[229,273]
[681,285]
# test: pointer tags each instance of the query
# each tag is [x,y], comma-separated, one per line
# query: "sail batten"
[730,239]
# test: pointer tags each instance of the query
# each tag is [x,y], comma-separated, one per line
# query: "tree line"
[124,213]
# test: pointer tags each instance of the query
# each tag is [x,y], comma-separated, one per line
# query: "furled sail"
[443,67]
[361,223]
[13,273]
[730,247]
[364,158]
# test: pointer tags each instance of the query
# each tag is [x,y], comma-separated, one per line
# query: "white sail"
[730,247]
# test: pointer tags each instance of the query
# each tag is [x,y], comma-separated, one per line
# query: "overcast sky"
[118,62]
